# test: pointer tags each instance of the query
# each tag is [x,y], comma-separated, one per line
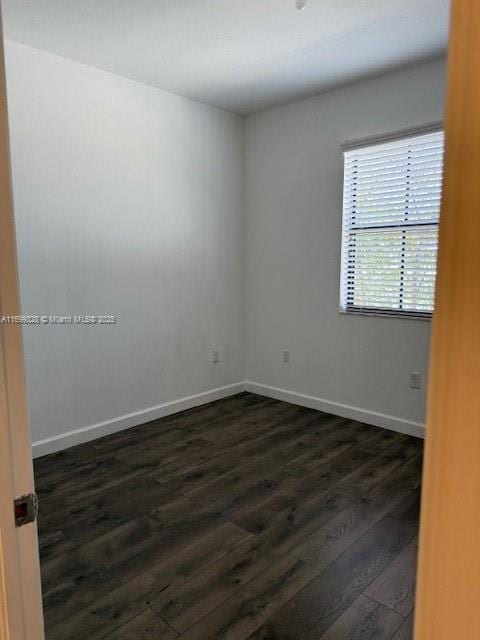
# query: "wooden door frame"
[21,616]
[448,587]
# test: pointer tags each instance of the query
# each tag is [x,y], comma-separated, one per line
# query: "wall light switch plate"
[216,356]
[286,356]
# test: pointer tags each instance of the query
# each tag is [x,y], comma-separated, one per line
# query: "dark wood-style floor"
[244,518]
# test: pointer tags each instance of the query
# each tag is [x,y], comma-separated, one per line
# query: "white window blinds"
[391,209]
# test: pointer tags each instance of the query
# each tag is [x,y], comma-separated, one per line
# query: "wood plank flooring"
[244,518]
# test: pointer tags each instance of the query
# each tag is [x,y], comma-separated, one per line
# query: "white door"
[21,616]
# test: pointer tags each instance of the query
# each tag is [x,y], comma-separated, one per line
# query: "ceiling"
[242,55]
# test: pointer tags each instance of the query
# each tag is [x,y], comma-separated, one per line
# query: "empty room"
[219,252]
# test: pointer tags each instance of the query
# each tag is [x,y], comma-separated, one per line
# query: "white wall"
[293,202]
[128,201]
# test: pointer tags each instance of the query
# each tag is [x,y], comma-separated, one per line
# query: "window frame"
[363,143]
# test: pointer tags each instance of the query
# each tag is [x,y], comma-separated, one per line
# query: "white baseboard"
[92,432]
[343,410]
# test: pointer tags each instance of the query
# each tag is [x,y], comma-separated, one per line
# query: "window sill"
[385,314]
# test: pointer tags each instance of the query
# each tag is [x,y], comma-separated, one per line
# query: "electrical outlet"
[286,356]
[216,356]
[415,380]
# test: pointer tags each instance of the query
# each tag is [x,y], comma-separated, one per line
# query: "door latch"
[26,509]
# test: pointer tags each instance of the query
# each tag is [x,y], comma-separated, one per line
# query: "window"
[391,209]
